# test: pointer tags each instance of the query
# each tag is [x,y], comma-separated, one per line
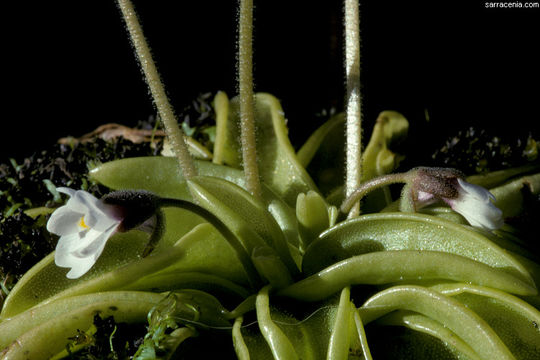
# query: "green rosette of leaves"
[285,276]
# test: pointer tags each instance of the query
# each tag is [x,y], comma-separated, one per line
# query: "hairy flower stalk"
[245,85]
[353,105]
[175,135]
[373,184]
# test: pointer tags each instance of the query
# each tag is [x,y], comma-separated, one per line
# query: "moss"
[476,150]
[111,340]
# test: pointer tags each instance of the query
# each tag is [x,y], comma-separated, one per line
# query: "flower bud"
[312,214]
[136,206]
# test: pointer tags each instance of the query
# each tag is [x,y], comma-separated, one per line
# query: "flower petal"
[79,252]
[81,267]
[66,190]
[63,221]
[82,202]
[63,254]
[96,214]
[475,191]
[477,212]
[424,197]
[68,260]
[100,220]
[95,247]
[75,243]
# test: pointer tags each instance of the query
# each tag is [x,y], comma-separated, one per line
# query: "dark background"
[67,66]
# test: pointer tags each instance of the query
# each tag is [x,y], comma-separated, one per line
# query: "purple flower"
[471,201]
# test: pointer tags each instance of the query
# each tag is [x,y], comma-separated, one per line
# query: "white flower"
[471,201]
[475,204]
[84,224]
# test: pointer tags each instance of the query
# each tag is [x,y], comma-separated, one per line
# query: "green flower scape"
[291,277]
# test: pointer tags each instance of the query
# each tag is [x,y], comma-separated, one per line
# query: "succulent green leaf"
[45,279]
[50,325]
[157,174]
[405,231]
[284,215]
[361,332]
[449,312]
[202,250]
[532,267]
[171,278]
[309,336]
[515,321]
[323,154]
[338,347]
[444,212]
[509,198]
[244,215]
[378,159]
[227,149]
[497,178]
[271,267]
[391,127]
[44,331]
[196,149]
[278,166]
[240,347]
[278,342]
[320,137]
[385,267]
[424,324]
[313,216]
